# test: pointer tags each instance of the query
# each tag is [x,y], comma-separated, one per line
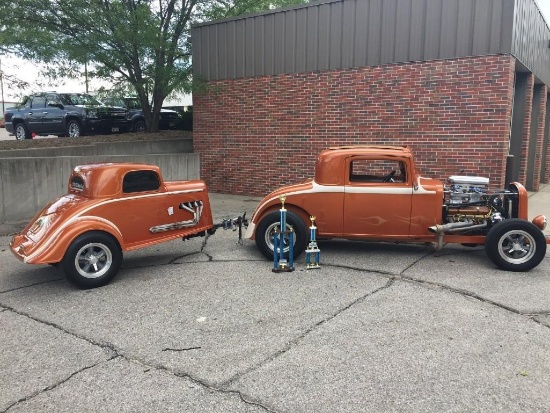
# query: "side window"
[140,181]
[38,102]
[377,171]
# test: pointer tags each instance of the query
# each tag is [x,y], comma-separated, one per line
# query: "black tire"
[139,126]
[73,129]
[21,132]
[266,228]
[92,260]
[515,245]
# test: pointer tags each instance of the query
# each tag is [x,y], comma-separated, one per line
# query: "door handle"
[44,113]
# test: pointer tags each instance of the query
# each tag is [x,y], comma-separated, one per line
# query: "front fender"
[52,247]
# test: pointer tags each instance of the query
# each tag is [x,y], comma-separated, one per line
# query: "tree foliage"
[141,44]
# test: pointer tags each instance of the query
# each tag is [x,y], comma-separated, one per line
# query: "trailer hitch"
[233,224]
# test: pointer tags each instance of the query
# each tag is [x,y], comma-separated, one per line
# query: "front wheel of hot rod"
[92,260]
[267,227]
[515,245]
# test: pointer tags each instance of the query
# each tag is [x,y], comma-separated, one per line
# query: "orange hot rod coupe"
[376,193]
[111,208]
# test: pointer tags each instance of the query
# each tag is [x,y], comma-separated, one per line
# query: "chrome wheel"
[73,129]
[93,260]
[517,247]
[270,236]
[20,132]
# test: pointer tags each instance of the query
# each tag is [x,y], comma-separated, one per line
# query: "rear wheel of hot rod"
[267,227]
[92,260]
[515,245]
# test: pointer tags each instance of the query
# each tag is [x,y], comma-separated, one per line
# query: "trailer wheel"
[267,226]
[515,245]
[92,260]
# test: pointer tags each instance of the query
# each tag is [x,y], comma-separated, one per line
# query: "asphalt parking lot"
[208,327]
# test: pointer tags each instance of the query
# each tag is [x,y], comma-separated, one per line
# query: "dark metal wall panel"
[374,34]
[417,30]
[530,39]
[449,27]
[335,34]
[403,30]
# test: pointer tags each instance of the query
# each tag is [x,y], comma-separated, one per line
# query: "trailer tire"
[92,260]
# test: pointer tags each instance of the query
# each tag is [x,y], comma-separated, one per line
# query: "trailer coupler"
[233,224]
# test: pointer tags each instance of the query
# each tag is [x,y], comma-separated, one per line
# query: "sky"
[29,71]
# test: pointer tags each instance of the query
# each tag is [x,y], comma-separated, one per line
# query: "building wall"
[255,134]
[340,34]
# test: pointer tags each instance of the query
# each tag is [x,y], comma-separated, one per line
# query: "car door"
[52,122]
[378,197]
[35,114]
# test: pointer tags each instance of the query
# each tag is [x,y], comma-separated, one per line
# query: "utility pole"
[2,88]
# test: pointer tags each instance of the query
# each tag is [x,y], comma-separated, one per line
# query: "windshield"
[132,103]
[76,99]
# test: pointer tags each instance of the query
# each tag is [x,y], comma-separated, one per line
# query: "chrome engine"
[468,208]
[467,189]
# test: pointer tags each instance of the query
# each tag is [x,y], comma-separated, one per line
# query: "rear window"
[77,183]
[140,181]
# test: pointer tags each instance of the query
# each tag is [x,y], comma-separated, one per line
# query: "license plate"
[114,129]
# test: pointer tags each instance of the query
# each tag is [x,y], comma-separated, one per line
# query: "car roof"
[105,179]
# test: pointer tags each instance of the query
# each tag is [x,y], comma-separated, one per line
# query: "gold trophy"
[312,250]
[280,263]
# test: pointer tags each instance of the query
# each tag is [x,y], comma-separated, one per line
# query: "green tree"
[144,44]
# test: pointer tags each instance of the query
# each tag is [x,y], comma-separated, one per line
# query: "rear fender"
[55,247]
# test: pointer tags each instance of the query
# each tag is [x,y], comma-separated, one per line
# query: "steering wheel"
[389,177]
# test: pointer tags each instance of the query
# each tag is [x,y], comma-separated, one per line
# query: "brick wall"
[255,134]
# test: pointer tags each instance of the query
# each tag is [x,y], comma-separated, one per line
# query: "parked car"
[376,193]
[168,118]
[64,114]
[111,208]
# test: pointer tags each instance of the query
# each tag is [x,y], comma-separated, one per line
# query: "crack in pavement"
[32,285]
[302,336]
[433,284]
[119,353]
[57,384]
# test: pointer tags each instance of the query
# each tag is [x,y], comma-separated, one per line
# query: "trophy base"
[283,268]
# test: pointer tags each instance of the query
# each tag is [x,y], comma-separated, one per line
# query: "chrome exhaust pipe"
[454,227]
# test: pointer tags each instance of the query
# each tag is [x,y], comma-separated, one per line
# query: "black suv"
[64,114]
[168,118]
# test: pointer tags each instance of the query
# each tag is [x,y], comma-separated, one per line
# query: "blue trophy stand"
[313,253]
[280,263]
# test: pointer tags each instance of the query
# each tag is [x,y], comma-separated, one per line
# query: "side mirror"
[55,104]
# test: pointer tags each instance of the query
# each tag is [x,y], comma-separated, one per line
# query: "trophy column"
[280,263]
[313,253]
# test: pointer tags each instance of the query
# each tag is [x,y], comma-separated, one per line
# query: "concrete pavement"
[208,327]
